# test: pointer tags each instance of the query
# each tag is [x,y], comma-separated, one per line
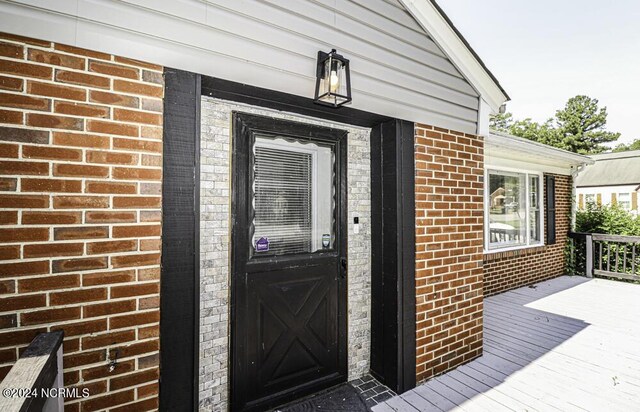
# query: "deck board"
[568,344]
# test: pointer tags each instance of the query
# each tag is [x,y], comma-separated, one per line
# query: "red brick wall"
[80,180]
[508,270]
[449,225]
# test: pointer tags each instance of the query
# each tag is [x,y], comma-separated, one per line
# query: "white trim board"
[427,14]
[519,153]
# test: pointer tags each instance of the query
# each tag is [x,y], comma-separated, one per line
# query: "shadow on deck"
[566,344]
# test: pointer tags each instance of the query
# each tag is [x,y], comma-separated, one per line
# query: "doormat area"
[372,391]
[340,398]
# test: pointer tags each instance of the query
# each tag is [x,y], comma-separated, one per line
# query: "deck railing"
[613,256]
[35,382]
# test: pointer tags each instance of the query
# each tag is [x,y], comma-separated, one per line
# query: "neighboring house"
[208,237]
[614,178]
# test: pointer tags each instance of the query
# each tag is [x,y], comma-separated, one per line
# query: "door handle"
[343,267]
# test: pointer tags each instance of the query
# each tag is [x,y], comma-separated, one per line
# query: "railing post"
[57,404]
[589,258]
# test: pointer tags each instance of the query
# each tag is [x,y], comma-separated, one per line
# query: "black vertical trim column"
[179,280]
[377,283]
[407,252]
[550,189]
[393,340]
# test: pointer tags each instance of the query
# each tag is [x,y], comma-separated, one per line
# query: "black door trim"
[180,270]
[244,127]
[180,273]
[393,294]
[257,96]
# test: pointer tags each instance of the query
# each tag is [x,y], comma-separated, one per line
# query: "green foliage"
[635,145]
[579,127]
[574,258]
[612,220]
[501,121]
[542,133]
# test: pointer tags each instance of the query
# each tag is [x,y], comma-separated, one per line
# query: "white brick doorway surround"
[215,214]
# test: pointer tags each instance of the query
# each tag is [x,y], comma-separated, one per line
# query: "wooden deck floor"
[569,344]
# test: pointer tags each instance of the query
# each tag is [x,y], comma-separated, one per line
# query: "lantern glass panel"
[333,85]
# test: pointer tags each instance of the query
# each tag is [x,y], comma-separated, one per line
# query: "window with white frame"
[624,200]
[513,207]
[590,198]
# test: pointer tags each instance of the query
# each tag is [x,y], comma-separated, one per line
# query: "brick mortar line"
[87,60]
[74,257]
[102,317]
[85,148]
[78,272]
[51,48]
[87,100]
[52,111]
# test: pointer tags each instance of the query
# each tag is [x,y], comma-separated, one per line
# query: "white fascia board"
[526,149]
[507,160]
[428,16]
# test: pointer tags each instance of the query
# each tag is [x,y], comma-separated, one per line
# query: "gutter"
[574,189]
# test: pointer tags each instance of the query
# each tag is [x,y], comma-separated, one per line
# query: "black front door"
[288,326]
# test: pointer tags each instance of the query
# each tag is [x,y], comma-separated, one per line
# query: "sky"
[544,52]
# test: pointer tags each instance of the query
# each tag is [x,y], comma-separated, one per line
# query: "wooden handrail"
[29,382]
[615,256]
[616,238]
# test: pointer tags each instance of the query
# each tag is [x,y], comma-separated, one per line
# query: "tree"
[581,125]
[527,128]
[501,122]
[635,145]
[542,133]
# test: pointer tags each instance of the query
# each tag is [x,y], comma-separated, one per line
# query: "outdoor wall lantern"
[333,80]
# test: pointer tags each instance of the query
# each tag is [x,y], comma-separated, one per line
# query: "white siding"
[397,70]
[606,192]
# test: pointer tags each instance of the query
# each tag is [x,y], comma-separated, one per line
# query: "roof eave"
[518,144]
[441,29]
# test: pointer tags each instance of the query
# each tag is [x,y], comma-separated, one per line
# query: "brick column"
[80,198]
[449,226]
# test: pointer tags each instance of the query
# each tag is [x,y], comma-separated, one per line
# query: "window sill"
[511,248]
[489,255]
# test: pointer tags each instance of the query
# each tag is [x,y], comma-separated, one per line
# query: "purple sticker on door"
[262,245]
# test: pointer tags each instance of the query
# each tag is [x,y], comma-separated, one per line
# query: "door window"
[293,196]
